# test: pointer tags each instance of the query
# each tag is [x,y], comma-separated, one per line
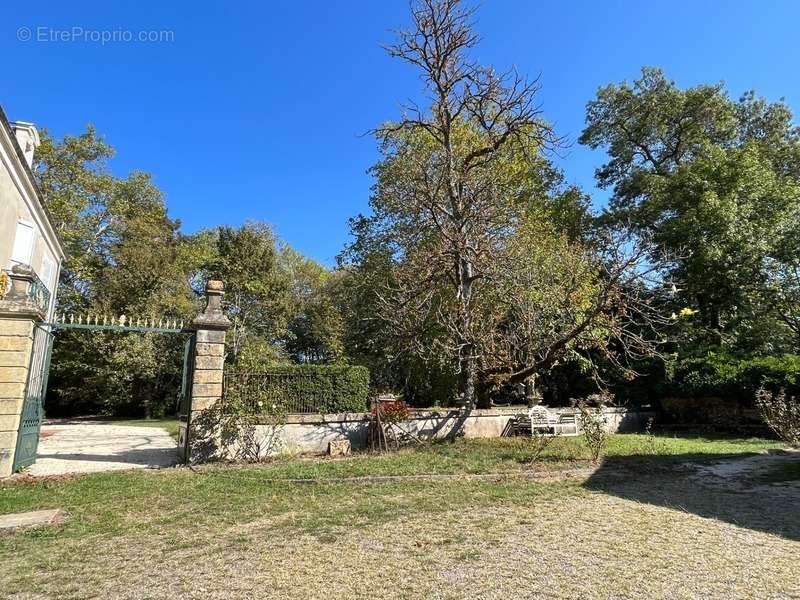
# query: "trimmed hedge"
[300,389]
[725,376]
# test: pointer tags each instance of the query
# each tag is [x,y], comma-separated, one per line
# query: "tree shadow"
[712,486]
[145,457]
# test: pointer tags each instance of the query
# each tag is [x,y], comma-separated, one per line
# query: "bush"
[734,379]
[392,412]
[781,413]
[593,427]
[300,389]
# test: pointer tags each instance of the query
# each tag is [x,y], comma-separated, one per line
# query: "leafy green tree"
[711,181]
[317,328]
[257,287]
[125,257]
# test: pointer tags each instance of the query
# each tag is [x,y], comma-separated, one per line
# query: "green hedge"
[300,389]
[728,377]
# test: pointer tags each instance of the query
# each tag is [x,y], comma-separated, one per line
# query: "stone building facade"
[30,261]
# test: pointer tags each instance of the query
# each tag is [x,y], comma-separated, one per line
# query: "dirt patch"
[746,473]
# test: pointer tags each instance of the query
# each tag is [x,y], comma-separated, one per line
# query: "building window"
[23,243]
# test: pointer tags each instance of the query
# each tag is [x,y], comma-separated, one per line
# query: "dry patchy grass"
[638,527]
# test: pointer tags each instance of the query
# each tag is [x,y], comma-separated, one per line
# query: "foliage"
[124,256]
[257,290]
[782,413]
[477,260]
[300,388]
[539,441]
[442,190]
[716,183]
[423,379]
[229,430]
[593,427]
[316,331]
[391,411]
[731,378]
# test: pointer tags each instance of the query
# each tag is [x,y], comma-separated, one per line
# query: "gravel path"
[91,447]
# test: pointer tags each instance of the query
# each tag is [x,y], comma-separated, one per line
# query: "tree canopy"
[712,181]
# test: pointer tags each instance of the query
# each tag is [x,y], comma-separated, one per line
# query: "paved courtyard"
[87,447]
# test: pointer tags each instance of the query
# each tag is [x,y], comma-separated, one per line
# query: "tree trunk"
[466,353]
[148,397]
[468,373]
[530,391]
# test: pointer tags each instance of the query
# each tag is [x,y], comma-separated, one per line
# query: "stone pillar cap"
[213,317]
[215,285]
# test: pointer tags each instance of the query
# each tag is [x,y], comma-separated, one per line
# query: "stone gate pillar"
[19,313]
[209,359]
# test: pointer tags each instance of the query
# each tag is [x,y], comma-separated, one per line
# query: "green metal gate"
[184,408]
[33,404]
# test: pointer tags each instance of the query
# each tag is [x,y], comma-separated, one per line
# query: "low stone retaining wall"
[311,434]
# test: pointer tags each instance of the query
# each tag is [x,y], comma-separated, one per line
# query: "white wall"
[19,202]
[311,434]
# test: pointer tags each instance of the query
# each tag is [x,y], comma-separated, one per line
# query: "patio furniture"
[542,420]
[538,419]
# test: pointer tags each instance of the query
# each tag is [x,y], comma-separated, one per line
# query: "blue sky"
[256,110]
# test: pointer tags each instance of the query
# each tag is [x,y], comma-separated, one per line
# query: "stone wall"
[311,434]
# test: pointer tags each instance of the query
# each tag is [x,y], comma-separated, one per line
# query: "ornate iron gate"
[33,404]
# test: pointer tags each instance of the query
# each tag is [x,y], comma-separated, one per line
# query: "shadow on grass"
[682,483]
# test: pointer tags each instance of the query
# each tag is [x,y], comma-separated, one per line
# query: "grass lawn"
[641,524]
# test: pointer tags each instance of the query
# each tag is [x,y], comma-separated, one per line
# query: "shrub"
[392,412]
[781,413]
[300,389]
[731,378]
[593,427]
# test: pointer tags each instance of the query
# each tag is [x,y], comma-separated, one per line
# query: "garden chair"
[567,424]
[542,420]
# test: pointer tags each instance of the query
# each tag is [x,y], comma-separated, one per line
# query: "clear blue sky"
[256,109]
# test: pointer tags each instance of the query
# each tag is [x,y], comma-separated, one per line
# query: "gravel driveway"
[90,447]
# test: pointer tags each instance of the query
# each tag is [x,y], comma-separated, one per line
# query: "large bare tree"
[475,115]
[489,263]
